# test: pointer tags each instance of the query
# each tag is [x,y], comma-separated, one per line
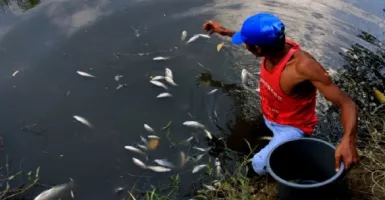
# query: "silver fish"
[189,139]
[142,147]
[218,167]
[244,76]
[204,36]
[193,124]
[168,73]
[82,120]
[209,187]
[192,39]
[119,189]
[208,134]
[153,137]
[164,163]
[161,58]
[170,81]
[55,192]
[119,87]
[198,157]
[158,169]
[159,84]
[72,194]
[134,149]
[85,74]
[164,95]
[139,163]
[118,77]
[212,91]
[157,78]
[183,36]
[148,128]
[16,72]
[201,149]
[198,168]
[144,140]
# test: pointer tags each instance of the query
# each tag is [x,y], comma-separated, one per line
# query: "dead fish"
[204,36]
[193,124]
[82,120]
[139,163]
[183,36]
[208,134]
[118,190]
[345,50]
[144,140]
[85,74]
[164,95]
[142,147]
[55,192]
[218,167]
[16,72]
[164,163]
[170,81]
[201,149]
[134,149]
[149,129]
[118,77]
[157,78]
[209,187]
[268,138]
[158,169]
[189,139]
[244,75]
[192,39]
[159,84]
[182,159]
[119,87]
[168,73]
[198,168]
[212,91]
[161,58]
[219,46]
[198,157]
[72,194]
[153,137]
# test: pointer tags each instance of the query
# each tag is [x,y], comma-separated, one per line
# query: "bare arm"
[311,70]
[216,27]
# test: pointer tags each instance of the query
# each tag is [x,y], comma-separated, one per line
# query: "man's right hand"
[216,27]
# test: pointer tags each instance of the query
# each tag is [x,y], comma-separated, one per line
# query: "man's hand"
[216,27]
[346,151]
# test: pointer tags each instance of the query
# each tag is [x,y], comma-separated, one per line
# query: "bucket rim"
[303,186]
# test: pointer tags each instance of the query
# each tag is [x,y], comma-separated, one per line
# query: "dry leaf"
[153,143]
[379,95]
[219,46]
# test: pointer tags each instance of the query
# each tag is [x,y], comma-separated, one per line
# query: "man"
[289,81]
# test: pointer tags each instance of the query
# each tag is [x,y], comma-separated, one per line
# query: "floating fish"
[85,74]
[379,95]
[55,192]
[164,163]
[345,50]
[139,163]
[209,187]
[192,39]
[144,140]
[218,167]
[118,190]
[157,78]
[161,58]
[118,77]
[208,134]
[212,91]
[158,169]
[82,120]
[219,46]
[134,149]
[72,194]
[201,149]
[182,159]
[149,129]
[193,124]
[153,144]
[159,84]
[189,139]
[170,81]
[198,168]
[164,95]
[204,36]
[119,87]
[153,137]
[142,147]
[268,138]
[183,36]
[16,72]
[168,73]
[198,157]
[244,75]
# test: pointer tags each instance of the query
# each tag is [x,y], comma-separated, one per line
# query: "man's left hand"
[346,151]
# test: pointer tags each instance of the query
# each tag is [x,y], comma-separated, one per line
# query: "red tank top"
[281,108]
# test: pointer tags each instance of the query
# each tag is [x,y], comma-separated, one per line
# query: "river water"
[48,41]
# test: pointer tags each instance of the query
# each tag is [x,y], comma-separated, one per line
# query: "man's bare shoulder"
[307,66]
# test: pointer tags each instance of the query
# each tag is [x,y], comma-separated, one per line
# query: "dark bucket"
[305,170]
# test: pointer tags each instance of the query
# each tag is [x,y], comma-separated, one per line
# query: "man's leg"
[281,134]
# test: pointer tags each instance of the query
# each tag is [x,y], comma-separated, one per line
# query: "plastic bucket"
[305,170]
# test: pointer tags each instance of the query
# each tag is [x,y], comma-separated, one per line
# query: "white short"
[281,134]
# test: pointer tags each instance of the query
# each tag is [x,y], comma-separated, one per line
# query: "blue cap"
[262,29]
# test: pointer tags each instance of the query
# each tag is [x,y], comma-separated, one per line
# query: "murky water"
[49,41]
